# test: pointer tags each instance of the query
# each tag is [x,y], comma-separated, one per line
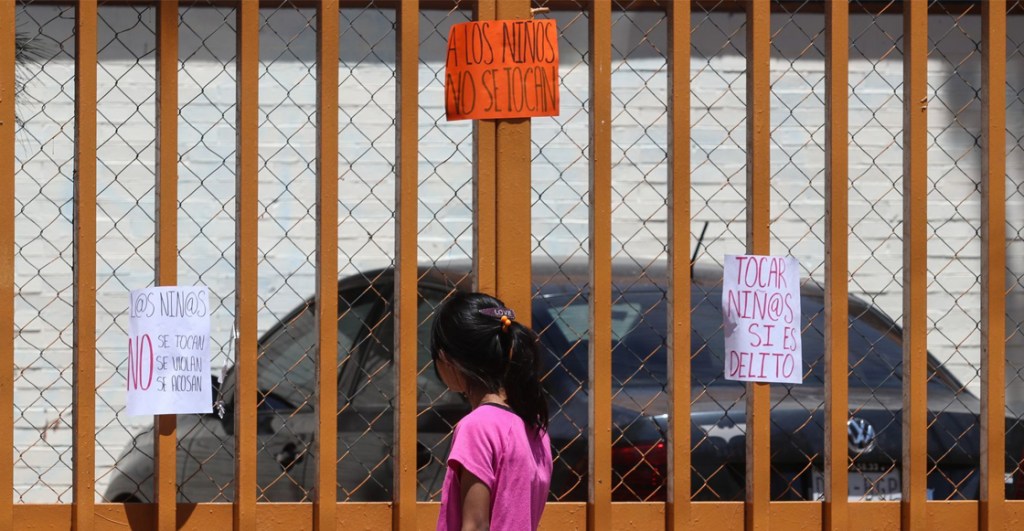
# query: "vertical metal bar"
[84,428]
[407,112]
[246,249]
[993,264]
[484,195]
[678,498]
[837,61]
[758,438]
[326,437]
[165,434]
[600,373]
[512,196]
[915,257]
[7,173]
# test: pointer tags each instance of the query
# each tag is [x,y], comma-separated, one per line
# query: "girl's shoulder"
[484,427]
[488,417]
[489,413]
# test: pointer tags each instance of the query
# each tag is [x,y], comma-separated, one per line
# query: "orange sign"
[502,69]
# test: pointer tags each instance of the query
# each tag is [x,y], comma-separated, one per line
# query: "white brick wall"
[366,186]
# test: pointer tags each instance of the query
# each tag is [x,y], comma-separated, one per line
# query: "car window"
[639,355]
[875,352]
[287,361]
[375,376]
[574,320]
[638,340]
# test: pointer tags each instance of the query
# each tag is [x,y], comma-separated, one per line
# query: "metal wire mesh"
[954,263]
[366,241]
[559,211]
[718,177]
[560,202]
[286,368]
[125,176]
[206,223]
[1015,236]
[798,228]
[639,230]
[43,260]
[445,241]
[875,217]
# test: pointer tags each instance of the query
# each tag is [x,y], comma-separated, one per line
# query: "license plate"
[863,486]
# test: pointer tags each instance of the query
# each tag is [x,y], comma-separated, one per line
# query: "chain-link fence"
[1015,230]
[43,262]
[560,203]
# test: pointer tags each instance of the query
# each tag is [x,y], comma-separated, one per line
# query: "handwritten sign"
[169,351]
[502,69]
[761,315]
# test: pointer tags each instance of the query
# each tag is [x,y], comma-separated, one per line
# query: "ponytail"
[480,336]
[522,377]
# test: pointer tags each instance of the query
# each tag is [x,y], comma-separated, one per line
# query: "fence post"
[993,264]
[513,244]
[915,258]
[837,60]
[407,160]
[599,434]
[8,56]
[758,436]
[84,423]
[165,435]
[246,259]
[326,434]
[679,444]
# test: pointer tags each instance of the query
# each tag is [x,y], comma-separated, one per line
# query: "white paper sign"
[169,351]
[761,316]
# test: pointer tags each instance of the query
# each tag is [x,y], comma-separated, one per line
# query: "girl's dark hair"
[491,355]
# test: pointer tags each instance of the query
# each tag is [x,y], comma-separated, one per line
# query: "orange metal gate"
[501,165]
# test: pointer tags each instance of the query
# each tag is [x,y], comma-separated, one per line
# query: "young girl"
[499,467]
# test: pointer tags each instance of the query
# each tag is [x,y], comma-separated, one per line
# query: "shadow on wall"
[955,166]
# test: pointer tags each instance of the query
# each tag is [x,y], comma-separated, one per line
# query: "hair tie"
[506,316]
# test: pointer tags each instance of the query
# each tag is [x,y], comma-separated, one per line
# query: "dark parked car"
[639,410]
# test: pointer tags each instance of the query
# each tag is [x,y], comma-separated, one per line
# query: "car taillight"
[639,472]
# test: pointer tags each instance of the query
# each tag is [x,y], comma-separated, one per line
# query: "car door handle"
[289,456]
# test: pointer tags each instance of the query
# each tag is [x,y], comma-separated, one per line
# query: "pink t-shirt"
[494,444]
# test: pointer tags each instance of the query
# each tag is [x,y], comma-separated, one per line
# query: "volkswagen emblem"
[860,435]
